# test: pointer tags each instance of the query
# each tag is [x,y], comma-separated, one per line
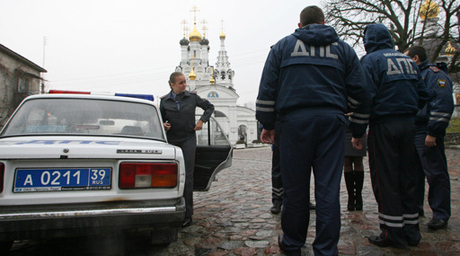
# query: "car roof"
[88,96]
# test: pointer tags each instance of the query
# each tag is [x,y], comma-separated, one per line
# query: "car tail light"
[148,175]
[2,171]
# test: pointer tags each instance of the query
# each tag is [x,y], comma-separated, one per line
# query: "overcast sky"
[133,46]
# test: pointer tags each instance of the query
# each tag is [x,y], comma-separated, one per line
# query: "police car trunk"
[81,164]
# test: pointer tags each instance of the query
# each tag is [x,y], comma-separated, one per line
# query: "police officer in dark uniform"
[398,91]
[311,79]
[178,112]
[431,123]
[277,183]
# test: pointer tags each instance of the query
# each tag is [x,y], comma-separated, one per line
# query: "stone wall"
[452,139]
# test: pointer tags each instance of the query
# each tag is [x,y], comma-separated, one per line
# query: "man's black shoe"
[413,243]
[377,240]
[187,222]
[287,252]
[437,223]
[312,206]
[276,208]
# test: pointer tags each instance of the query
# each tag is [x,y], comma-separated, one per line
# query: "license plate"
[33,180]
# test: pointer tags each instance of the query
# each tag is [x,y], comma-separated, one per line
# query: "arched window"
[218,113]
[242,134]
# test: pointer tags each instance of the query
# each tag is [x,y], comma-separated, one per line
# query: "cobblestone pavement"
[233,218]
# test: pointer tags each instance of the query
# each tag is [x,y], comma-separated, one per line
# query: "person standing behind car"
[178,112]
[431,123]
[398,92]
[311,78]
[353,171]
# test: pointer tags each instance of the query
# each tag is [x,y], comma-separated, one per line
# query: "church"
[215,83]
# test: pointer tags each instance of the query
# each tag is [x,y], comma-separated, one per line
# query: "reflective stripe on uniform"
[359,118]
[440,117]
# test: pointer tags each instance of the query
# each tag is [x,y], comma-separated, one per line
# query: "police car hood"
[316,34]
[73,147]
[377,37]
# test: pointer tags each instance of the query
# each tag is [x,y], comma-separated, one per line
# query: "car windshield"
[85,117]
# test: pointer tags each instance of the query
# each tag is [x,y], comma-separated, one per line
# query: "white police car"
[74,164]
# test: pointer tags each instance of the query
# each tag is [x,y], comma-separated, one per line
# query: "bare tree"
[404,20]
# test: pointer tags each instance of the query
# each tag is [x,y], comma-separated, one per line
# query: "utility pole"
[42,87]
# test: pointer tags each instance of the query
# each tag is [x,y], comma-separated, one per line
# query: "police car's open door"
[213,153]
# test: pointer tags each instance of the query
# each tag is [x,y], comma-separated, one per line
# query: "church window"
[213,94]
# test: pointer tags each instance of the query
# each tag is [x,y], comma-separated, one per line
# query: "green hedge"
[454,125]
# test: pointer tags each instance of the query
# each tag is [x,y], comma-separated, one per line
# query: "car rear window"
[85,117]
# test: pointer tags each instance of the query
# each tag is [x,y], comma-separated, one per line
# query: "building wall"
[17,81]
[231,116]
[246,117]
[456,102]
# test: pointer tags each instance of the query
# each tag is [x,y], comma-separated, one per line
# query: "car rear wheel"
[164,236]
[111,244]
[5,247]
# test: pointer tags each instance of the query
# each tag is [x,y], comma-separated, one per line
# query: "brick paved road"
[233,218]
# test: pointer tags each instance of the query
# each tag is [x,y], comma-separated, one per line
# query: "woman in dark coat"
[353,170]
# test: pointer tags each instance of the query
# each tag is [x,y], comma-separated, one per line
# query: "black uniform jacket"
[182,120]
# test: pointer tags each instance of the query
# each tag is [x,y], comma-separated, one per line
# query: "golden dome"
[195,35]
[429,10]
[192,75]
[212,81]
[222,35]
[450,50]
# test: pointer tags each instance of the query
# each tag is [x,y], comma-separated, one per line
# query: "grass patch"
[454,125]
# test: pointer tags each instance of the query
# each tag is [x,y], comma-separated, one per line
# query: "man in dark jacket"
[311,79]
[431,123]
[178,112]
[398,91]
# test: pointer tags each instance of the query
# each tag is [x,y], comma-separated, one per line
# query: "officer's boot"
[359,181]
[350,182]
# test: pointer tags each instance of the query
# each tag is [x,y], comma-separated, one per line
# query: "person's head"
[177,82]
[376,37]
[311,15]
[417,53]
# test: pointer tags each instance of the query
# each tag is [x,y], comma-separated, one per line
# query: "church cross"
[194,10]
[204,22]
[185,28]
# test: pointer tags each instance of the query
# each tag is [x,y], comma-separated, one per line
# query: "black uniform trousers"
[312,138]
[277,185]
[188,147]
[392,167]
[432,163]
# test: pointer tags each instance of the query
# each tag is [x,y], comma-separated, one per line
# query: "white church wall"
[224,101]
[246,116]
